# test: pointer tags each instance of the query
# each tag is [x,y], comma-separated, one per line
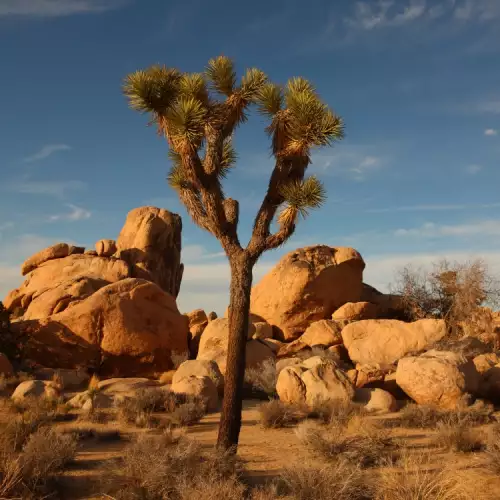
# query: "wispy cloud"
[432,208]
[57,189]
[354,162]
[75,214]
[46,151]
[56,8]
[6,225]
[433,230]
[490,132]
[488,106]
[473,169]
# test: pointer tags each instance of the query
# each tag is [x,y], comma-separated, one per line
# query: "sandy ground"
[264,452]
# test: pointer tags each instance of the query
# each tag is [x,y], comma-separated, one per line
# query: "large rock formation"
[150,242]
[385,341]
[111,310]
[128,328]
[308,285]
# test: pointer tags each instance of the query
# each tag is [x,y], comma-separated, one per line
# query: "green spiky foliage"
[198,114]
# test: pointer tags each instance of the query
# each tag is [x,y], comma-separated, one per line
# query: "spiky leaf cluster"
[300,197]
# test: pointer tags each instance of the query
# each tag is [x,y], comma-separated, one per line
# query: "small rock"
[36,389]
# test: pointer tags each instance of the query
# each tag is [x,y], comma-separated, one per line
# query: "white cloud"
[433,230]
[353,161]
[56,8]
[75,214]
[47,151]
[432,208]
[490,131]
[489,106]
[48,188]
[473,169]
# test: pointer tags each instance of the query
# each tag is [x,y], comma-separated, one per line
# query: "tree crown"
[198,114]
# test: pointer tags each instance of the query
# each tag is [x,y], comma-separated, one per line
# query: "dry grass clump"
[492,451]
[458,438]
[338,412]
[174,467]
[30,474]
[276,414]
[422,416]
[179,410]
[263,378]
[93,434]
[339,480]
[416,480]
[362,443]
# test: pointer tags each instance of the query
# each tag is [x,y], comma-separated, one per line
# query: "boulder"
[201,388]
[326,382]
[212,315]
[127,328]
[389,306]
[92,253]
[356,311]
[55,284]
[127,386]
[484,362]
[85,401]
[386,341]
[369,374]
[324,332]
[376,400]
[6,368]
[150,242]
[166,377]
[56,251]
[292,349]
[199,368]
[489,385]
[281,364]
[314,382]
[289,385]
[36,389]
[438,378]
[214,339]
[105,248]
[263,331]
[273,344]
[307,285]
[198,321]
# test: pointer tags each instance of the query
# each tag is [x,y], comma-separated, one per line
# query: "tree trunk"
[239,309]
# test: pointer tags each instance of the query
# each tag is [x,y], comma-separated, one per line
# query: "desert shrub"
[458,438]
[180,410]
[10,342]
[263,378]
[276,414]
[336,412]
[423,416]
[188,413]
[363,445]
[8,384]
[339,480]
[93,434]
[169,466]
[29,474]
[492,451]
[453,292]
[415,479]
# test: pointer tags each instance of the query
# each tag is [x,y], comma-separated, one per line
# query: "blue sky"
[417,83]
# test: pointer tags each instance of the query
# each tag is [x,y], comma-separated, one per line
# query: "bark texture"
[239,309]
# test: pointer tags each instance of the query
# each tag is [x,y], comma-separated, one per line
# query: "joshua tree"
[198,114]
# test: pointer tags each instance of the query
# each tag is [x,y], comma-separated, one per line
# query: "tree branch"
[280,237]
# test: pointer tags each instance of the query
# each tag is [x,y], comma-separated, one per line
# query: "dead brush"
[339,480]
[416,479]
[458,438]
[187,413]
[362,443]
[336,412]
[422,416]
[276,414]
[8,384]
[492,451]
[263,378]
[171,466]
[30,474]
